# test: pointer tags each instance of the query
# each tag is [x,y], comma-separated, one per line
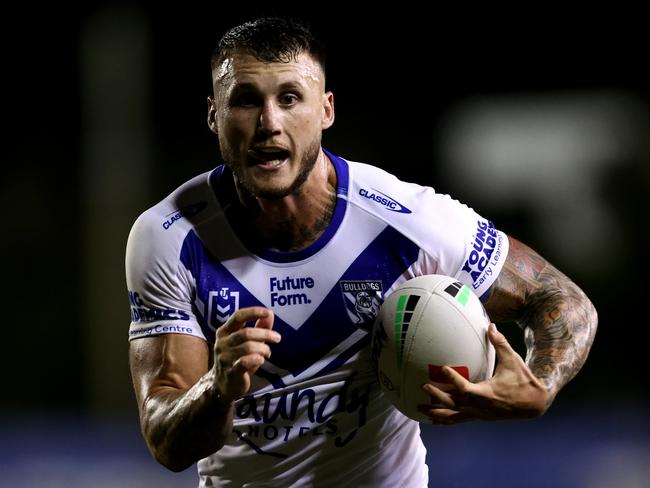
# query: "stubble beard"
[307,163]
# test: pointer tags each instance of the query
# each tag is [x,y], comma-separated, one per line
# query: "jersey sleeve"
[463,244]
[160,288]
[452,238]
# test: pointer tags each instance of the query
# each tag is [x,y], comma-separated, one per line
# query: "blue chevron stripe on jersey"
[384,260]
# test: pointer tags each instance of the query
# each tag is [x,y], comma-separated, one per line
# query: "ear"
[212,115]
[328,110]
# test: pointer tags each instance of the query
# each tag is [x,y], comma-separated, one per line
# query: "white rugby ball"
[424,324]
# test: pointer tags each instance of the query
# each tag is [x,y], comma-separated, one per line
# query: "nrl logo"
[362,301]
[221,305]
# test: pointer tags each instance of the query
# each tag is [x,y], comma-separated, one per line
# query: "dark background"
[397,76]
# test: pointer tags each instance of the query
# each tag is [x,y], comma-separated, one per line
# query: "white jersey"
[315,415]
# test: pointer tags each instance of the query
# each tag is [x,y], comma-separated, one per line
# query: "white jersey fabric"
[315,415]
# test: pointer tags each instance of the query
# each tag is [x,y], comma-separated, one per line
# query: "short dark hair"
[271,40]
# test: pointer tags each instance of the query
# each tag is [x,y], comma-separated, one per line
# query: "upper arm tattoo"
[558,319]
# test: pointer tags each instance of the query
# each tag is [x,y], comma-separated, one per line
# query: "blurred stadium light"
[549,153]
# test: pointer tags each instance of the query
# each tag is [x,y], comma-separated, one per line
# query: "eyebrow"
[252,87]
[291,85]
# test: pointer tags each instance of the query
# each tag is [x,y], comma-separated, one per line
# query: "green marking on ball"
[399,315]
[463,296]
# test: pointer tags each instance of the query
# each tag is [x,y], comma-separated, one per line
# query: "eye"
[289,99]
[246,100]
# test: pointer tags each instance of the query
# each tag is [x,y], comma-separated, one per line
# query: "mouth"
[268,157]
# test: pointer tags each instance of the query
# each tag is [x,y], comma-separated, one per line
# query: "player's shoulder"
[387,196]
[432,220]
[169,221]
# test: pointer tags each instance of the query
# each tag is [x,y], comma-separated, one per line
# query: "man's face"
[269,118]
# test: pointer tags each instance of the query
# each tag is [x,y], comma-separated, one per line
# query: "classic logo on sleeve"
[384,200]
[362,301]
[187,211]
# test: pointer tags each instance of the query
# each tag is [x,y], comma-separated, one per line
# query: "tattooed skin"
[558,319]
[288,237]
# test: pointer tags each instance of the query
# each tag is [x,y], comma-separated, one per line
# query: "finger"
[501,345]
[497,339]
[266,322]
[238,377]
[246,364]
[253,334]
[446,387]
[228,356]
[454,418]
[240,317]
[445,416]
[460,383]
[251,347]
[439,396]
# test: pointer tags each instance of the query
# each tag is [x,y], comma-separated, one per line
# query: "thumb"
[501,345]
[237,381]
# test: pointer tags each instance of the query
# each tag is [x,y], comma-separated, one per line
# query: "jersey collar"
[221,181]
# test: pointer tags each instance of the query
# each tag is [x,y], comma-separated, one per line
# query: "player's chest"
[343,287]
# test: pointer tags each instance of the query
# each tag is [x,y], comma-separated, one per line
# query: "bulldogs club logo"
[362,301]
[221,305]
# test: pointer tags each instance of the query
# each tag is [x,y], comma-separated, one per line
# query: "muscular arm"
[558,319]
[182,416]
[186,405]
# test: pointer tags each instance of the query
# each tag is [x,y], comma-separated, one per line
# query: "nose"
[269,122]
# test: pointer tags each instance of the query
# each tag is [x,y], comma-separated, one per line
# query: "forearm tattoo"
[558,319]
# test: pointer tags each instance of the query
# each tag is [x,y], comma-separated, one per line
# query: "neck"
[297,220]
